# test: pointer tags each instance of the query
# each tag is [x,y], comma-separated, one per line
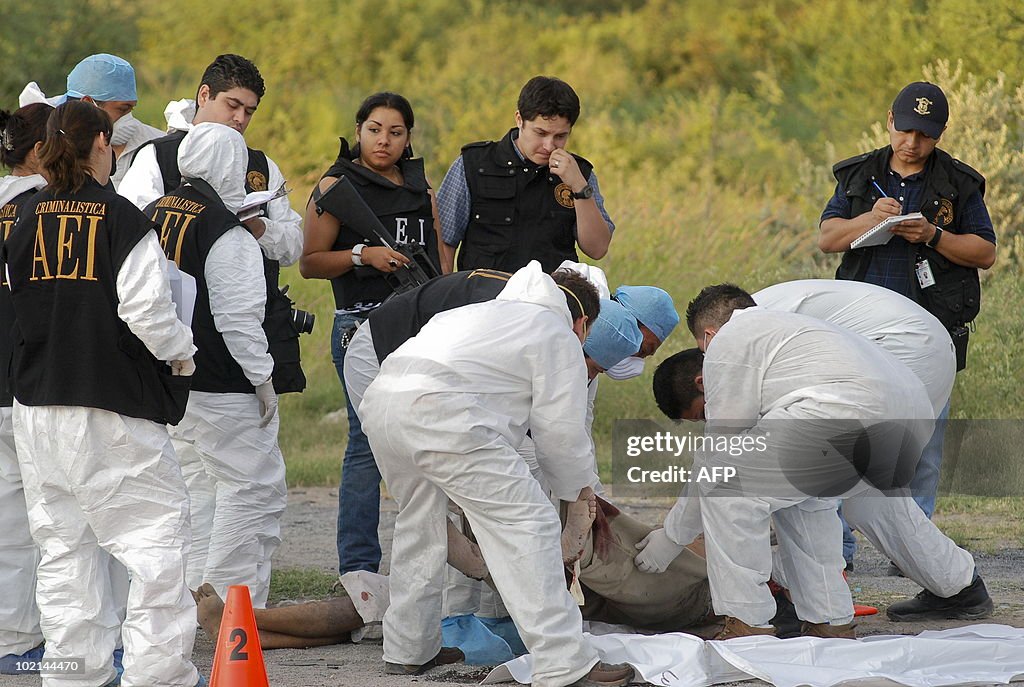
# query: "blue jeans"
[925,484]
[359,495]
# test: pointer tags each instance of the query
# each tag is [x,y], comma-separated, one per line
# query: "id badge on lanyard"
[923,270]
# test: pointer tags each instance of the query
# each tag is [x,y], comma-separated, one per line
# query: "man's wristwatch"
[934,240]
[584,193]
[357,254]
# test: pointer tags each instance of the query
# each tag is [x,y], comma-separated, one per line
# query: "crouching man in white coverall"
[228,436]
[91,401]
[816,394]
[444,418]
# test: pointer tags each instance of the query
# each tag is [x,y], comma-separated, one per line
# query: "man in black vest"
[229,93]
[935,260]
[525,197]
[227,441]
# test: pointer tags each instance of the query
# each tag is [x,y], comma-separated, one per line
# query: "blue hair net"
[102,77]
[651,306]
[614,335]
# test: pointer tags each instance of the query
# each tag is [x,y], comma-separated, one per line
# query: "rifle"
[342,201]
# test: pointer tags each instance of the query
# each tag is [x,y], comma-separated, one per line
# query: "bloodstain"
[365,596]
[602,531]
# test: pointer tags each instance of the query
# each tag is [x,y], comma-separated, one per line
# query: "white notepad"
[879,234]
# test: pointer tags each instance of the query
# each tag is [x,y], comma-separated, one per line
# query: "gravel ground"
[309,541]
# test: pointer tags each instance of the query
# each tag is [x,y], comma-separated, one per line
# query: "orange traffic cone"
[238,658]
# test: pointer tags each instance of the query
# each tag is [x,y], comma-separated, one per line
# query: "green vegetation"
[296,584]
[713,126]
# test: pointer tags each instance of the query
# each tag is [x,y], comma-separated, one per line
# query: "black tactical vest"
[519,211]
[404,315]
[189,224]
[955,299]
[64,256]
[282,335]
[9,214]
[405,211]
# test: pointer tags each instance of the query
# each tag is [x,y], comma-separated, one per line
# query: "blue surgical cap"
[102,77]
[651,306]
[614,336]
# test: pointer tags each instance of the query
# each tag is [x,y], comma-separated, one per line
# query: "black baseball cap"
[921,106]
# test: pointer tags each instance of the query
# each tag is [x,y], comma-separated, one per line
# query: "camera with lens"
[303,321]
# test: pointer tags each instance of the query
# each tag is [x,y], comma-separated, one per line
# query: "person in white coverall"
[91,400]
[656,316]
[21,135]
[893,523]
[804,385]
[444,418]
[229,93]
[229,433]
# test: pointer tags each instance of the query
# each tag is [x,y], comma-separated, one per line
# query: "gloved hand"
[183,368]
[657,552]
[267,397]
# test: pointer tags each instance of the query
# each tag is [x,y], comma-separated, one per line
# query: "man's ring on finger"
[556,163]
[393,262]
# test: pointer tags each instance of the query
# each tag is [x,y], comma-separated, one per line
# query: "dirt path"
[309,542]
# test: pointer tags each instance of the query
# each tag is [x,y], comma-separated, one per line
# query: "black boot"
[971,603]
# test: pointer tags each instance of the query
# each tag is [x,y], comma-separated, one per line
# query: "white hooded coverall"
[793,375]
[102,482]
[233,467]
[444,418]
[893,524]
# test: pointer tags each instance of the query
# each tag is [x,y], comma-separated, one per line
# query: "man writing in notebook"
[934,260]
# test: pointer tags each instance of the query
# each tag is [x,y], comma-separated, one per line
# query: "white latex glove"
[268,402]
[183,368]
[657,552]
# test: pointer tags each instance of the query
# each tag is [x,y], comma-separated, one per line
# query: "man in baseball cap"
[921,106]
[933,260]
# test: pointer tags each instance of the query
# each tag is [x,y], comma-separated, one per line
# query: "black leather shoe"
[445,656]
[971,603]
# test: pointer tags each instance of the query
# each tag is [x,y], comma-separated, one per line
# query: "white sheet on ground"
[986,654]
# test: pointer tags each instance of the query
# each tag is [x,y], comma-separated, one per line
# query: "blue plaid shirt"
[454,203]
[888,266]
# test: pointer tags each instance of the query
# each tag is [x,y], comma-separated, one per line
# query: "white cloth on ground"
[976,654]
[443,418]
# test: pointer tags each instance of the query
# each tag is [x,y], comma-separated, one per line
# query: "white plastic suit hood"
[531,285]
[216,154]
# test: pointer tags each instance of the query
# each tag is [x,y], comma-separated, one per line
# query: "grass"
[300,583]
[982,524]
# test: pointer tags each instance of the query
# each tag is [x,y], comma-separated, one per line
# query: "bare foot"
[464,555]
[579,518]
[210,609]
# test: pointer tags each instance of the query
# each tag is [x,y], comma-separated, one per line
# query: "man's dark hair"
[674,385]
[714,305]
[546,96]
[232,71]
[585,294]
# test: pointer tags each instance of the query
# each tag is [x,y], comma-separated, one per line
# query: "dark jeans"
[359,494]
